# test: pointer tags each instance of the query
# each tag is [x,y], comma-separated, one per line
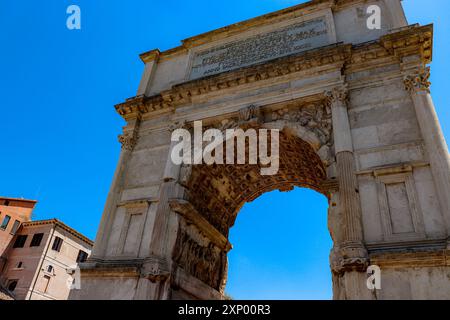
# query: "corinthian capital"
[418,82]
[128,140]
[338,94]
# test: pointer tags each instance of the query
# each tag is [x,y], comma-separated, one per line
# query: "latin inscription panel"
[260,48]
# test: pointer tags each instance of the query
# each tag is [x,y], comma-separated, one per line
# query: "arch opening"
[282,247]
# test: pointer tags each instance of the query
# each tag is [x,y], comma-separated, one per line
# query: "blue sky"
[59,127]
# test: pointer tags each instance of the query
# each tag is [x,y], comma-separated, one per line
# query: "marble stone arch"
[357,124]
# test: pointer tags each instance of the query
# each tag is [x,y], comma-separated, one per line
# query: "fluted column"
[352,252]
[418,84]
[128,140]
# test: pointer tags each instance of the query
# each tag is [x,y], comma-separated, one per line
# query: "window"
[12,284]
[15,227]
[36,241]
[5,222]
[20,241]
[82,256]
[50,269]
[57,243]
[19,265]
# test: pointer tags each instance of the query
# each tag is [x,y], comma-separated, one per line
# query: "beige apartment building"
[41,259]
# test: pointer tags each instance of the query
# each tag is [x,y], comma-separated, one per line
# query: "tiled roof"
[60,224]
[17,199]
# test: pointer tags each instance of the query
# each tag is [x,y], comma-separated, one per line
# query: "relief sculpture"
[315,117]
[204,261]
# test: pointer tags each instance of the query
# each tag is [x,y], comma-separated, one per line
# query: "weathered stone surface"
[356,123]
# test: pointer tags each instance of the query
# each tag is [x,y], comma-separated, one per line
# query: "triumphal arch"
[356,123]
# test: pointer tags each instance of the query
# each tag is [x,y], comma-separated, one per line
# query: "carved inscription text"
[288,40]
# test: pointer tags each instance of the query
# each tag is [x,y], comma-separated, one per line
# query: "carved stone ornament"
[419,82]
[349,258]
[204,260]
[338,94]
[315,117]
[155,269]
[157,275]
[250,114]
[128,140]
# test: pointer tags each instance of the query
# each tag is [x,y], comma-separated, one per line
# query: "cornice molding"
[149,56]
[409,41]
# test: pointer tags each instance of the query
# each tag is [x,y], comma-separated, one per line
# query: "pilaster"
[128,140]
